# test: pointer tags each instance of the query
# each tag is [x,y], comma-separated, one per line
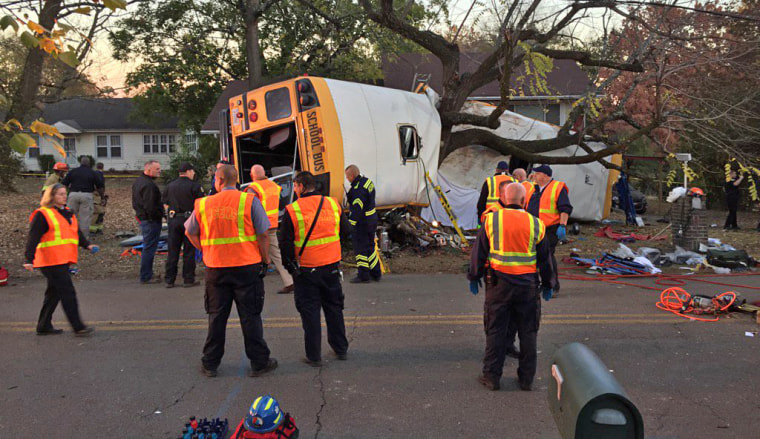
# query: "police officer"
[362,215]
[489,193]
[231,229]
[549,200]
[310,244]
[82,182]
[512,242]
[268,192]
[179,197]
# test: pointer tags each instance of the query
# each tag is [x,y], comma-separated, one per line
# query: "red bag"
[286,430]
[3,277]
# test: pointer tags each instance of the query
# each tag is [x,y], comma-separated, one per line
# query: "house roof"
[567,78]
[234,88]
[113,114]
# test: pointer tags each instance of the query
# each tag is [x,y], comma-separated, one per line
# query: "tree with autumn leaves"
[57,34]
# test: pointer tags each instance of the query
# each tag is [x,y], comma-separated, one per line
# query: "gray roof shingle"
[102,114]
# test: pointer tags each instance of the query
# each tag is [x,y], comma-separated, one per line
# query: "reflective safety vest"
[530,187]
[323,247]
[268,192]
[548,211]
[512,236]
[228,238]
[494,208]
[59,244]
[493,183]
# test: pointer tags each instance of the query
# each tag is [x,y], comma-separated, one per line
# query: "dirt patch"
[15,209]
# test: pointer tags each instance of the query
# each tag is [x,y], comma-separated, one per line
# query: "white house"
[106,130]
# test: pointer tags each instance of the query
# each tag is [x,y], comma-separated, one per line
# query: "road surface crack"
[318,422]
[354,325]
[175,402]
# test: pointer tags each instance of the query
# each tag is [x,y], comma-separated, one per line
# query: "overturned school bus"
[323,125]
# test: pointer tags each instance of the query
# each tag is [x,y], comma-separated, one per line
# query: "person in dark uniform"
[549,201]
[82,182]
[311,253]
[146,202]
[179,197]
[512,242]
[54,236]
[489,193]
[363,217]
[231,228]
[732,200]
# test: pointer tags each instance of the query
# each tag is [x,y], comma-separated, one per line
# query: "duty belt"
[174,213]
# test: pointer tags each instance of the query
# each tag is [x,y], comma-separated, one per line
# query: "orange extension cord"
[679,302]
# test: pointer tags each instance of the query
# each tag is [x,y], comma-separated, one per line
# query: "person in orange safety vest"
[230,227]
[510,252]
[550,201]
[268,192]
[310,244]
[54,236]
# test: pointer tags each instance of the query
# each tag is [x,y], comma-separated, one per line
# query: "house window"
[70,145]
[544,113]
[108,146]
[159,144]
[409,141]
[191,140]
[34,152]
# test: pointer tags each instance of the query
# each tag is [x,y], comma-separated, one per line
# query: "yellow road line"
[388,318]
[195,326]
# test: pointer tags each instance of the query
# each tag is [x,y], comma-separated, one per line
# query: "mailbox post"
[585,399]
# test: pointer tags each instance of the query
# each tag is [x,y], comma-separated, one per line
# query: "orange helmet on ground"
[695,191]
[60,166]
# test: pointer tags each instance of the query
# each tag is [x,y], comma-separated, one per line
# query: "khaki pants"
[81,204]
[274,255]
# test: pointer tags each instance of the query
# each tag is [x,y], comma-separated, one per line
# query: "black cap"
[185,166]
[545,169]
[502,165]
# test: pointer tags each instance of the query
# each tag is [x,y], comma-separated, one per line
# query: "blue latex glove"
[474,284]
[562,233]
[94,249]
[547,293]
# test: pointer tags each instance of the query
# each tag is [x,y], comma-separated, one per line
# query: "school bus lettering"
[316,141]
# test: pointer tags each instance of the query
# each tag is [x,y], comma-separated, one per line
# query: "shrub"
[46,162]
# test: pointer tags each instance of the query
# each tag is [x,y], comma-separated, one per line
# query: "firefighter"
[550,201]
[54,236]
[59,171]
[489,194]
[310,245]
[363,217]
[512,242]
[268,192]
[231,230]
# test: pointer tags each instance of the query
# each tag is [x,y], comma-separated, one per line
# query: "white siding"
[132,152]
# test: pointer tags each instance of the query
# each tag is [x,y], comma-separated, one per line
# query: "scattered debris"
[608,232]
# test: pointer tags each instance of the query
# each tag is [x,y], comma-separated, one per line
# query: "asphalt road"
[416,346]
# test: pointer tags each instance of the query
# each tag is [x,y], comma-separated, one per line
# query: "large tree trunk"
[25,96]
[252,48]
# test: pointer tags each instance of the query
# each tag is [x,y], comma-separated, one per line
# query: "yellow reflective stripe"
[553,195]
[301,224]
[202,214]
[256,403]
[370,212]
[359,202]
[277,419]
[352,222]
[269,404]
[320,241]
[50,215]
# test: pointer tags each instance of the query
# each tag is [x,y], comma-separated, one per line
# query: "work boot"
[312,363]
[270,366]
[170,285]
[287,289]
[376,278]
[525,386]
[208,371]
[342,357]
[489,383]
[358,280]
[84,332]
[51,331]
[191,284]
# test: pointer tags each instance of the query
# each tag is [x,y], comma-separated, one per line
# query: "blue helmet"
[264,416]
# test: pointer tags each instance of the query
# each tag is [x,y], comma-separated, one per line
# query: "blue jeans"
[151,230]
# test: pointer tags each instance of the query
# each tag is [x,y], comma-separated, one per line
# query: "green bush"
[92,160]
[183,154]
[46,162]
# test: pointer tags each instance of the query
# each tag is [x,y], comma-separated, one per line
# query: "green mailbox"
[585,399]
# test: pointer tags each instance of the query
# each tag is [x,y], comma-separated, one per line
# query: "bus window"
[277,102]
